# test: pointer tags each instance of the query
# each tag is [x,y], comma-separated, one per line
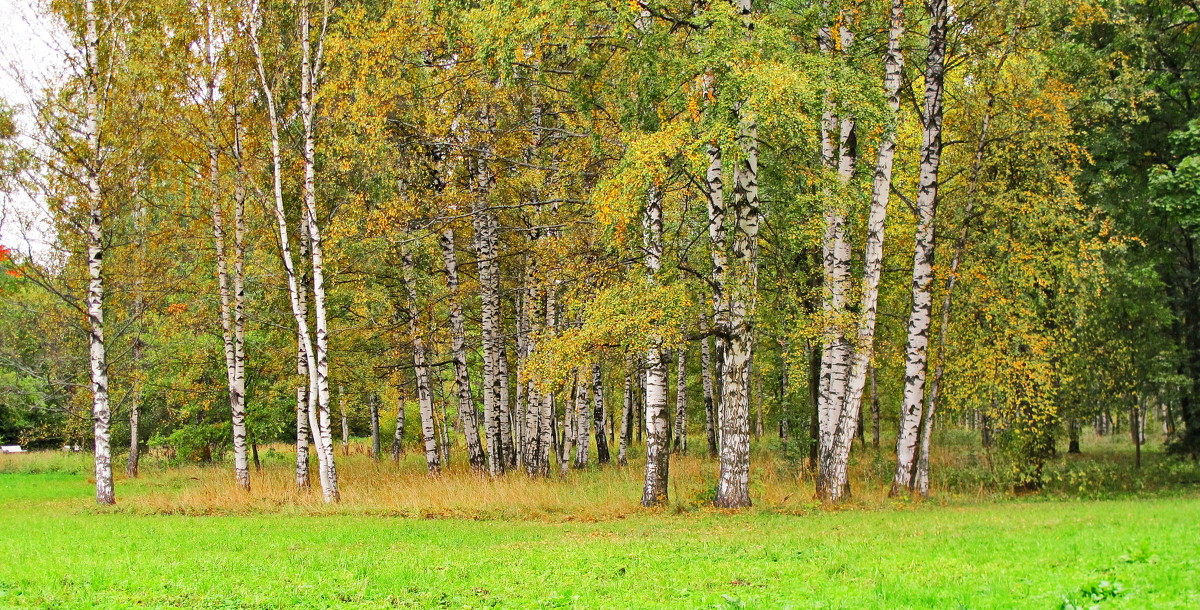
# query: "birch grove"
[577,247]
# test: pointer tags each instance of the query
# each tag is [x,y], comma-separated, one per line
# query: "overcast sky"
[31,52]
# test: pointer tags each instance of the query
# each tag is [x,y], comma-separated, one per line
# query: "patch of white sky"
[34,54]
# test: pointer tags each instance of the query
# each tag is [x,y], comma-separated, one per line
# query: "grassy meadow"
[1101,534]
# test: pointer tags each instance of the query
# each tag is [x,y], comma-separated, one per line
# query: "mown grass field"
[1139,550]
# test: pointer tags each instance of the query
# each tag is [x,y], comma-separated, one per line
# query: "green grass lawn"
[56,551]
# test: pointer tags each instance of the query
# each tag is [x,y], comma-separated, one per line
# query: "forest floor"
[1095,537]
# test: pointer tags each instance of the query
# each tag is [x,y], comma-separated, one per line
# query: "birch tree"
[310,71]
[398,435]
[602,453]
[420,353]
[93,161]
[462,381]
[916,352]
[733,486]
[921,484]
[679,438]
[657,450]
[839,156]
[87,160]
[302,341]
[706,373]
[583,417]
[230,285]
[844,413]
[626,415]
[373,405]
[317,415]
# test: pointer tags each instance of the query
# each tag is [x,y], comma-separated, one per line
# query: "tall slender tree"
[916,352]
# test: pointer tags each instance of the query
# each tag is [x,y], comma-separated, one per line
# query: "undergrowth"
[963,472]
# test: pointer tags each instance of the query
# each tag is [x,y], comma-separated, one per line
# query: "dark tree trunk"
[602,455]
[1072,433]
[814,396]
[374,404]
[254,454]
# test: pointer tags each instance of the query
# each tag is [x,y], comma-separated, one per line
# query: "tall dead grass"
[406,489]
[962,471]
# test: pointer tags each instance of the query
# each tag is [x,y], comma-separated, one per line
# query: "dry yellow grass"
[962,472]
[405,489]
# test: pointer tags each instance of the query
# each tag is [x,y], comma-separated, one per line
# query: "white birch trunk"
[521,414]
[733,485]
[570,429]
[639,400]
[706,373]
[626,415]
[420,365]
[583,418]
[717,233]
[229,332]
[398,435]
[462,380]
[241,466]
[135,389]
[829,305]
[533,414]
[863,349]
[506,413]
[679,439]
[490,316]
[602,454]
[135,393]
[135,408]
[916,352]
[97,359]
[921,484]
[309,73]
[532,432]
[305,416]
[836,262]
[238,388]
[443,428]
[547,414]
[717,239]
[299,306]
[657,450]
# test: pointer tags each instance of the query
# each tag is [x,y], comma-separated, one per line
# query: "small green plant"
[1091,596]
[195,443]
[794,451]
